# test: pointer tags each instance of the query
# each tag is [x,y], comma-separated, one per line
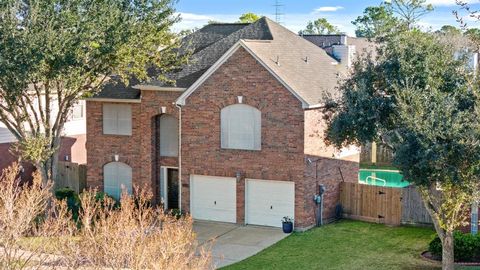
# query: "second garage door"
[267,202]
[213,198]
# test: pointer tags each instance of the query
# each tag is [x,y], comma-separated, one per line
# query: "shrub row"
[466,247]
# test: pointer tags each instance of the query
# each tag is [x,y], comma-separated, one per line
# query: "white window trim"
[256,144]
[116,130]
[117,180]
[163,131]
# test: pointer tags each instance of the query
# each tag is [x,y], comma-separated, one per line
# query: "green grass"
[347,245]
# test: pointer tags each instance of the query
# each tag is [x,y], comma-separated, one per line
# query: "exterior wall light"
[116,157]
[238,176]
[163,109]
[240,99]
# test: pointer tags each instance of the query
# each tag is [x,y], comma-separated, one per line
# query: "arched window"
[168,136]
[116,177]
[241,127]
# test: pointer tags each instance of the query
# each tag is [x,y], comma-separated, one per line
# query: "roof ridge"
[296,36]
[227,23]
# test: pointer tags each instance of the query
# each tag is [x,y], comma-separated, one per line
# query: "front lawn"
[346,245]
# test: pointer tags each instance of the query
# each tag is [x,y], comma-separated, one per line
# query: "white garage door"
[213,198]
[267,202]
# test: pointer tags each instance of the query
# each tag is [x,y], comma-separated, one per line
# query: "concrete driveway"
[233,243]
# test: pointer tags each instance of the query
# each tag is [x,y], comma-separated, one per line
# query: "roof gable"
[306,70]
[240,44]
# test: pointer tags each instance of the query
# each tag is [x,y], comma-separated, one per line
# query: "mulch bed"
[426,255]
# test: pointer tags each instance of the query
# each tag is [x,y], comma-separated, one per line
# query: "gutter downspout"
[179,156]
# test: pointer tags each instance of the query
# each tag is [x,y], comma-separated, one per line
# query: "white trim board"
[148,87]
[114,100]
[182,99]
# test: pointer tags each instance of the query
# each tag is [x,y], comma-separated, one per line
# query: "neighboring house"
[72,146]
[238,138]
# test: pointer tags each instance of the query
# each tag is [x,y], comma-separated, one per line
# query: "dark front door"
[172,188]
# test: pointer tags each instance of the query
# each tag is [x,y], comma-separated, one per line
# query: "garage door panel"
[213,198]
[267,202]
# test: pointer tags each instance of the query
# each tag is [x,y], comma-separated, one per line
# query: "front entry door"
[169,188]
[172,188]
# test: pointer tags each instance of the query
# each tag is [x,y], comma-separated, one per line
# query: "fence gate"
[371,203]
[71,175]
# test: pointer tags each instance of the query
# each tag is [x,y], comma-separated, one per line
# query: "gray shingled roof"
[205,58]
[116,89]
[209,34]
[207,44]
[267,40]
[307,69]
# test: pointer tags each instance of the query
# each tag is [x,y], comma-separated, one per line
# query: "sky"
[297,13]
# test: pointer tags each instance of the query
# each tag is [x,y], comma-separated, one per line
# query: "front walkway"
[233,243]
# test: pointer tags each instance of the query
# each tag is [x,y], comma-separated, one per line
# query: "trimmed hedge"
[466,247]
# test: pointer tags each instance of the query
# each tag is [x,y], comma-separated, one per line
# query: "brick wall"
[321,167]
[281,155]
[139,150]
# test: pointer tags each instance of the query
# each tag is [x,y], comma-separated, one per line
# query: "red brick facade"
[281,154]
[286,139]
[137,150]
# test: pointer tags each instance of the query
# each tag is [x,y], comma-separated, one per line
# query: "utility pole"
[278,11]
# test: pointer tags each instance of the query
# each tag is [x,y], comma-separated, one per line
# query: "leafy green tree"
[409,11]
[248,17]
[474,35]
[56,52]
[450,29]
[214,22]
[376,22]
[320,27]
[421,100]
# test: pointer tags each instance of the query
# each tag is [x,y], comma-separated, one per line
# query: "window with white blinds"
[241,127]
[117,176]
[168,136]
[117,119]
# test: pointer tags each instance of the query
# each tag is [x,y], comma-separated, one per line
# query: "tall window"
[168,136]
[117,119]
[241,127]
[117,176]
[77,111]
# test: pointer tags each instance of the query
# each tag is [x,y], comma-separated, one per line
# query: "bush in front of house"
[72,199]
[137,235]
[466,247]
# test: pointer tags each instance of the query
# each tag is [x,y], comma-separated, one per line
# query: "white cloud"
[448,2]
[328,9]
[192,20]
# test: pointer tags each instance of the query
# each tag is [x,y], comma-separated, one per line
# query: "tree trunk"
[446,236]
[448,262]
[48,169]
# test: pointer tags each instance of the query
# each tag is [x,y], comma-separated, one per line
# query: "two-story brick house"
[238,138]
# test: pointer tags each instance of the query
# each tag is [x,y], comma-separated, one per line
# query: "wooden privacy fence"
[413,209]
[392,206]
[71,175]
